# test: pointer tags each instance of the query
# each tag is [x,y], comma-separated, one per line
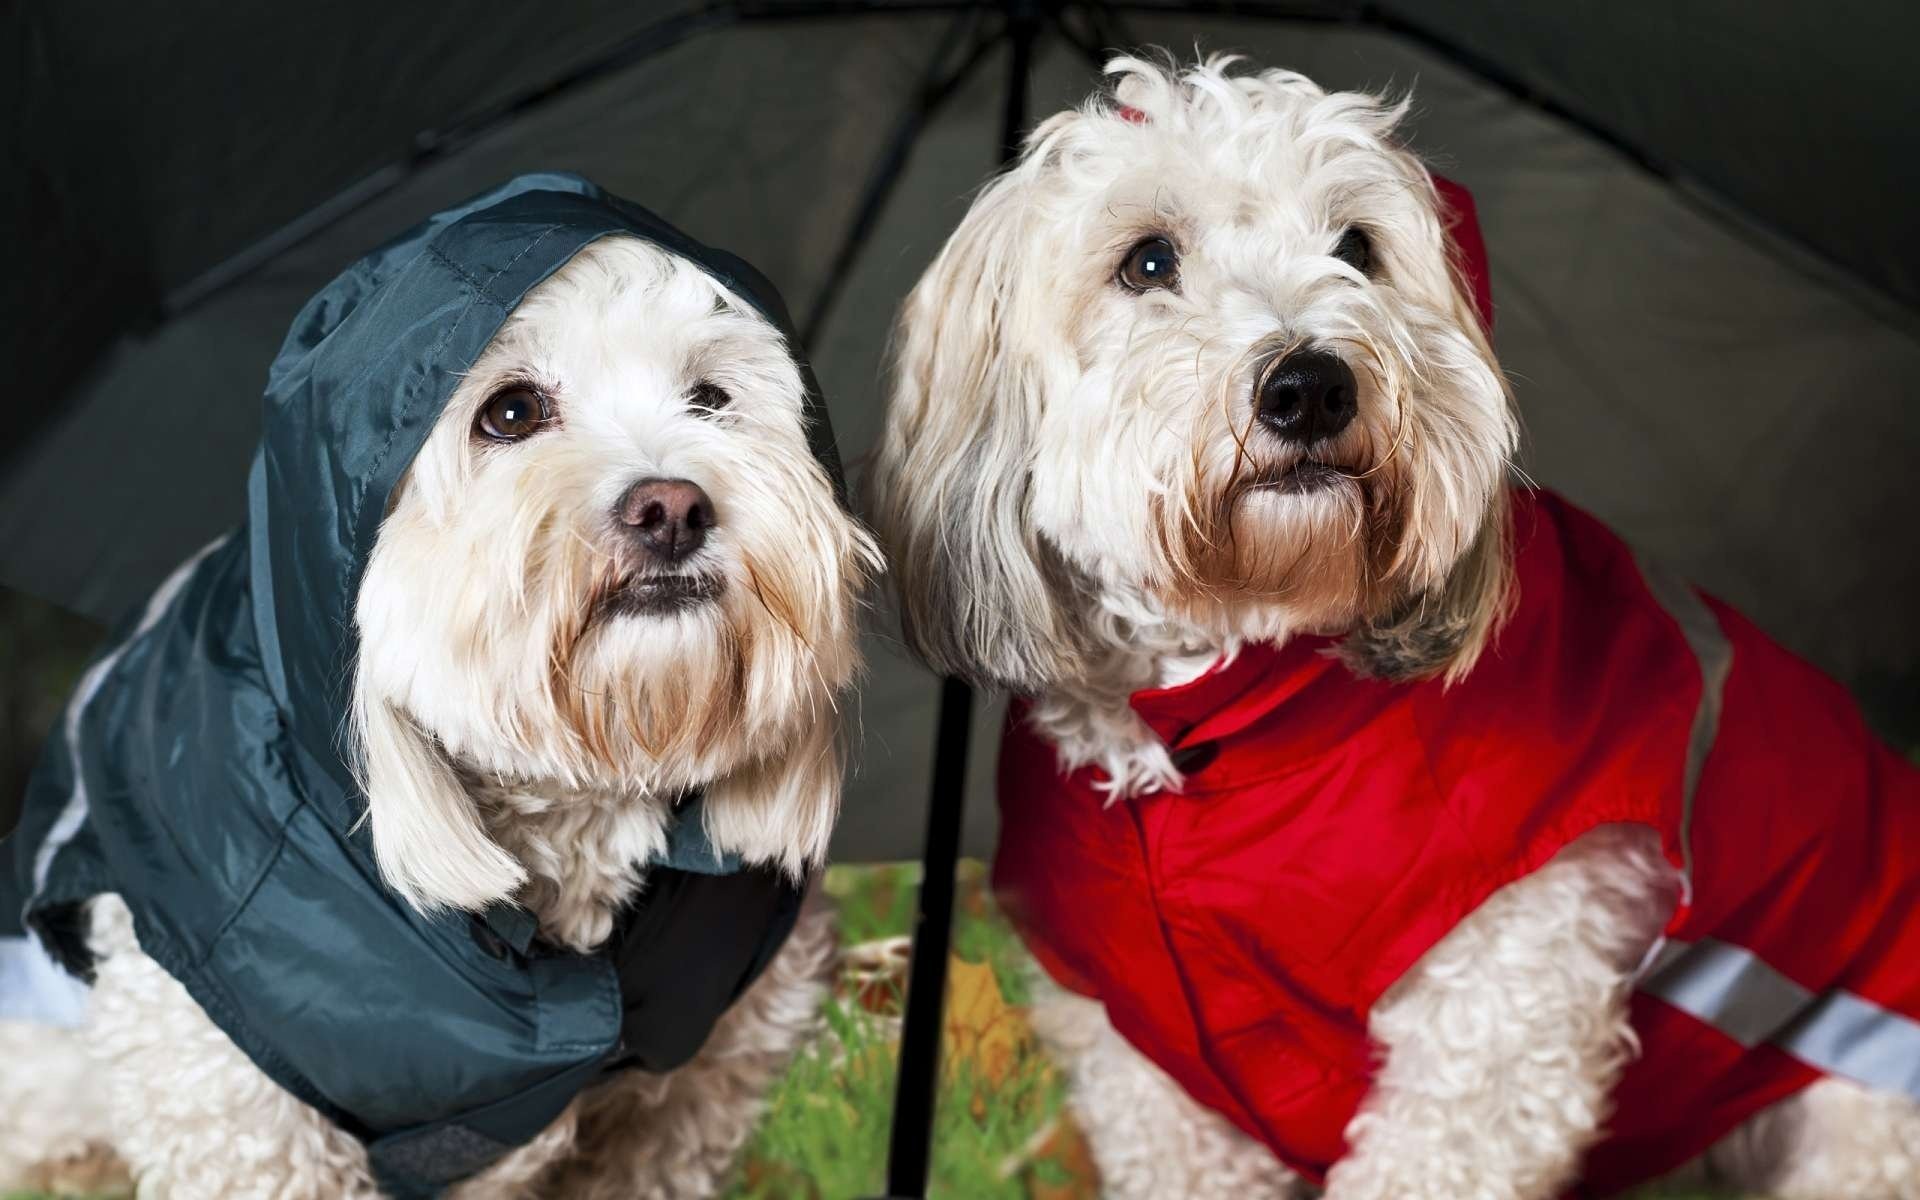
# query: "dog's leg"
[1149,1139]
[1504,1041]
[675,1136]
[191,1115]
[1834,1141]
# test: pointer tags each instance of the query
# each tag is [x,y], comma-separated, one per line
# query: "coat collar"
[1235,692]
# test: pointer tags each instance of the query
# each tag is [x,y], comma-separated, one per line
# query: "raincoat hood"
[200,772]
[364,373]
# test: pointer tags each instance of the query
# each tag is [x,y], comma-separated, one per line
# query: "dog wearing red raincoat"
[1384,827]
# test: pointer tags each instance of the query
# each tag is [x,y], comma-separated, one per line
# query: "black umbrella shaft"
[909,1152]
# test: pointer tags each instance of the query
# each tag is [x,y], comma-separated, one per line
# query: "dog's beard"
[665,679]
[691,667]
[1309,538]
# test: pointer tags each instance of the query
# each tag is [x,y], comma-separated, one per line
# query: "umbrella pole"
[915,1101]
[915,1097]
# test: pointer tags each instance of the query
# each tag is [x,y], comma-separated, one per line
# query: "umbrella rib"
[929,97]
[432,145]
[1105,36]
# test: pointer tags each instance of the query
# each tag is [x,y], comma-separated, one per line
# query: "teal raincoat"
[200,775]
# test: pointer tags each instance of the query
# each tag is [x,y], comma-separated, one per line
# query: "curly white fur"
[1062,485]
[521,739]
[1503,1042]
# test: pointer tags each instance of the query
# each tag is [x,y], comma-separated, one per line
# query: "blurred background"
[1700,221]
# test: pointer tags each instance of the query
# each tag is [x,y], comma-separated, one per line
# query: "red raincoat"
[1333,829]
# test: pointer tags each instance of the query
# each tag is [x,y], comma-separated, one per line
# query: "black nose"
[1307,396]
[668,517]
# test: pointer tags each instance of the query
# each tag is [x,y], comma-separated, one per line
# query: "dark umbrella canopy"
[1704,273]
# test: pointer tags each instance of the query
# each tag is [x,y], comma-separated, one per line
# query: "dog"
[1197,443]
[616,574]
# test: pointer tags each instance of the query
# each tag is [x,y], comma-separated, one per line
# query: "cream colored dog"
[1098,475]
[614,572]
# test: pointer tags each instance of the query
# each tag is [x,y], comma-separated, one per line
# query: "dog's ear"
[1441,630]
[980,591]
[427,837]
[1442,620]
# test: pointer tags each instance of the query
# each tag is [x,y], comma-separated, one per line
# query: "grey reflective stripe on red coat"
[1733,990]
[1714,654]
[1729,987]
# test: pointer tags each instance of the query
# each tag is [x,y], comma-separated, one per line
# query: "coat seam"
[253,889]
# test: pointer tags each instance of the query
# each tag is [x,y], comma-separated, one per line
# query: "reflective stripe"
[1714,654]
[1731,989]
[1852,1036]
[74,813]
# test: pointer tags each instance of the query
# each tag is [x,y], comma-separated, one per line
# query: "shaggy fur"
[1079,502]
[521,737]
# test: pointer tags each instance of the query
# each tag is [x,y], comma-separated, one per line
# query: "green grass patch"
[825,1133]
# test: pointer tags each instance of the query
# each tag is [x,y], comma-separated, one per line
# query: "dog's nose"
[1307,396]
[668,517]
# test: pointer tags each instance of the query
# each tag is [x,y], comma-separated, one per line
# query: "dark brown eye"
[708,397]
[1355,249]
[1153,263]
[512,413]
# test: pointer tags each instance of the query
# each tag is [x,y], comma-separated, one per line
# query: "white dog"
[614,573]
[1195,384]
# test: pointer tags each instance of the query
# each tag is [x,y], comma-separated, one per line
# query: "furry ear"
[980,591]
[782,810]
[427,837]
[1442,630]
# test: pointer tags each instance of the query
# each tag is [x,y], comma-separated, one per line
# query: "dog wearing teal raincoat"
[448,825]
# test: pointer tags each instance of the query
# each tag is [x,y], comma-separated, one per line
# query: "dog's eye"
[1153,263]
[708,398]
[1355,249]
[512,413]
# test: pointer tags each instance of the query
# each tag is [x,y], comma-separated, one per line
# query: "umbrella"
[1708,280]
